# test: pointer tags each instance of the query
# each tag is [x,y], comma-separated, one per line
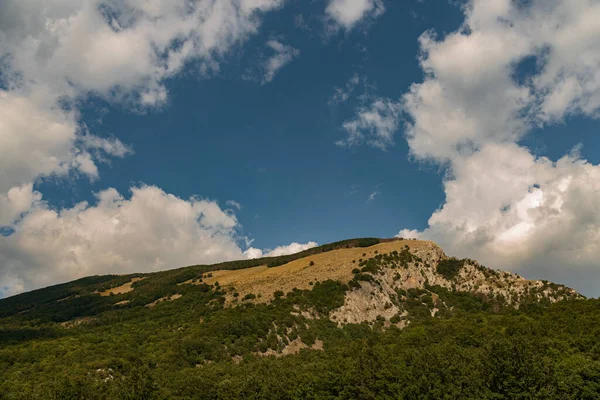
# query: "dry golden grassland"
[335,265]
[126,288]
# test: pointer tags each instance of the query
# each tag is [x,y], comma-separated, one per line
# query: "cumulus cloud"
[151,230]
[503,205]
[374,124]
[55,54]
[475,89]
[514,211]
[291,248]
[38,138]
[472,94]
[89,45]
[17,201]
[284,54]
[253,252]
[348,13]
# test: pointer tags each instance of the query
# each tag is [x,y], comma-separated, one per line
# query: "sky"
[141,135]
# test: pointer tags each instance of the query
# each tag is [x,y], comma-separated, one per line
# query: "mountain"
[361,318]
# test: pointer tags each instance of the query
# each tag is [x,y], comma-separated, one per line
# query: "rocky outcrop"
[390,287]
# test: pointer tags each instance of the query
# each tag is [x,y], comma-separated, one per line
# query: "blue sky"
[271,147]
[143,136]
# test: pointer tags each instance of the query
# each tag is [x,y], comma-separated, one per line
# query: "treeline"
[280,260]
[83,300]
[195,348]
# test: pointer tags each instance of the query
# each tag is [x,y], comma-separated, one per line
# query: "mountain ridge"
[385,267]
[400,319]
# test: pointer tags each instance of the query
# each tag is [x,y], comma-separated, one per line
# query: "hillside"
[365,309]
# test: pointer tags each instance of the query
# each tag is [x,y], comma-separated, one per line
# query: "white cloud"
[372,196]
[348,13]
[301,23]
[291,248]
[512,211]
[17,201]
[253,252]
[89,45]
[112,147]
[36,138]
[39,138]
[284,54]
[503,205]
[234,204]
[150,231]
[53,55]
[340,95]
[470,96]
[374,125]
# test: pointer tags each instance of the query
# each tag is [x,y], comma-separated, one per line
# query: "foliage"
[450,268]
[168,353]
[195,347]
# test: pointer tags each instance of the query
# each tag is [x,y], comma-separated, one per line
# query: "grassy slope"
[42,303]
[186,348]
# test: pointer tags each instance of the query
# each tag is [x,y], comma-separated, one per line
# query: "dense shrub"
[183,349]
[450,268]
[197,347]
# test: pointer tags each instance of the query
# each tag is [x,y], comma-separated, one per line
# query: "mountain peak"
[382,279]
[112,333]
[390,281]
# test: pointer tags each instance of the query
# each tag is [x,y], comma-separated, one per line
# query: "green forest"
[197,348]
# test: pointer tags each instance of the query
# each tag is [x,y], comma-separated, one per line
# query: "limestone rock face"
[392,286]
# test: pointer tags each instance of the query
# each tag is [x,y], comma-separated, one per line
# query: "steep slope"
[385,278]
[390,281]
[385,318]
[81,296]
